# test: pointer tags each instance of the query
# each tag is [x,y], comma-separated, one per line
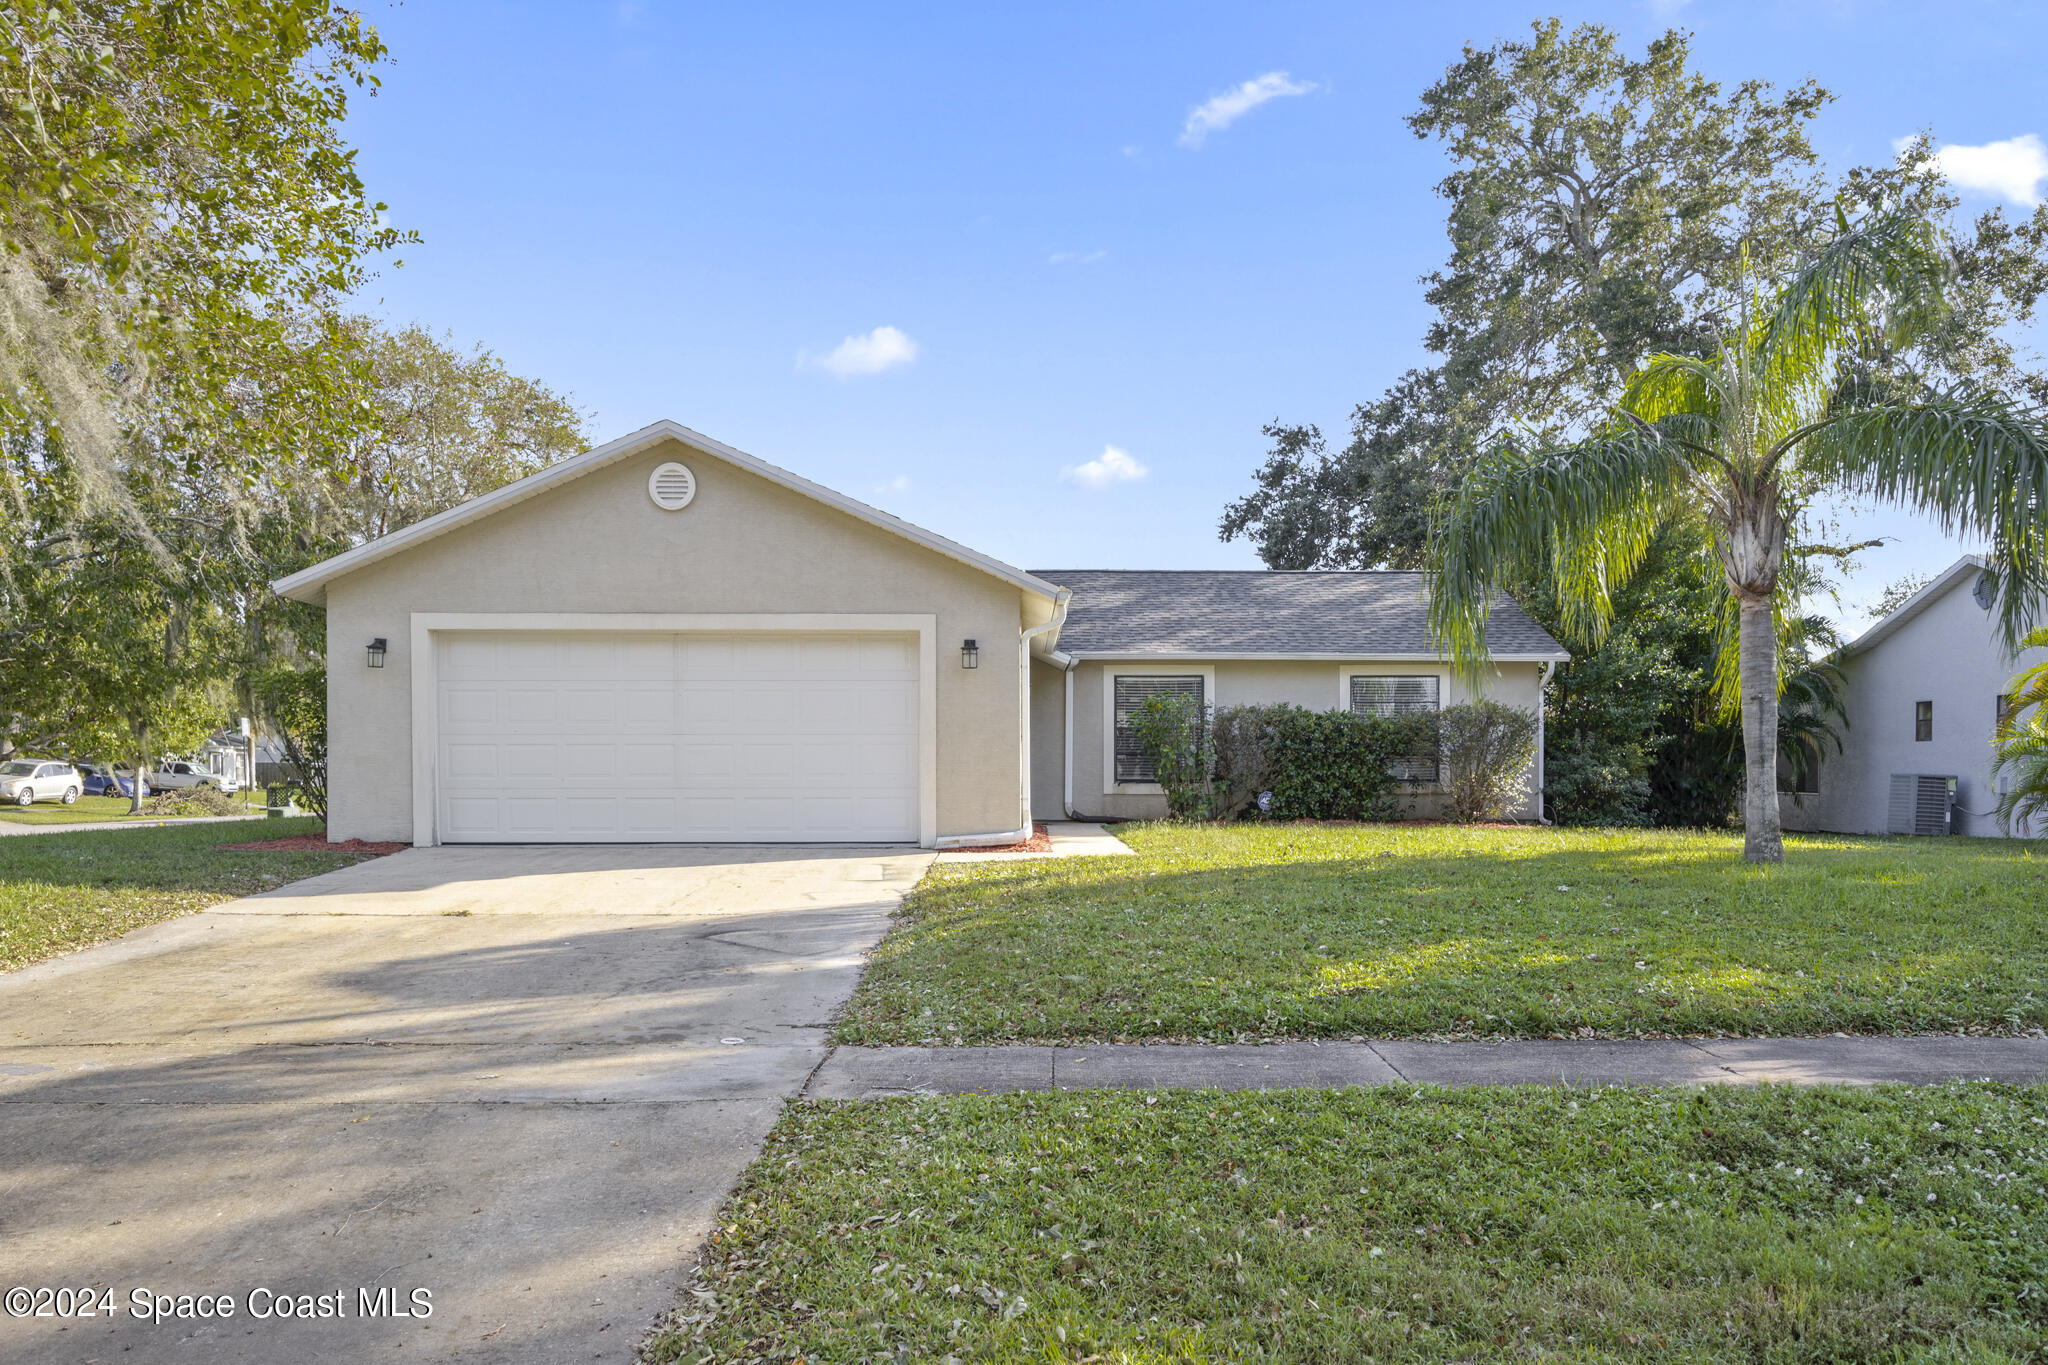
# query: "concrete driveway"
[519,1079]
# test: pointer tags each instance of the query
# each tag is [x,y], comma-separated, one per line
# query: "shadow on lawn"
[1554,934]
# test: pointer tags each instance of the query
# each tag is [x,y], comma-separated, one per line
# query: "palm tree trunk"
[1757,645]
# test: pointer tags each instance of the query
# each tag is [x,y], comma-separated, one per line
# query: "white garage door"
[645,738]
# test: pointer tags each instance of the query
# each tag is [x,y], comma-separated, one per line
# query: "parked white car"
[25,781]
[177,773]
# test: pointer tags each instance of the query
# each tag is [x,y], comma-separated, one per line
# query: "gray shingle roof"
[1364,615]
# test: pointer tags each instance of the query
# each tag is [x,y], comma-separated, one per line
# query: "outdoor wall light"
[377,648]
[970,654]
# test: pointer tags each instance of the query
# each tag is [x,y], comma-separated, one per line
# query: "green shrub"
[296,702]
[1318,765]
[190,801]
[1172,731]
[1486,749]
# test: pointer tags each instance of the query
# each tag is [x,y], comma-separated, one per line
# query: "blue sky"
[986,267]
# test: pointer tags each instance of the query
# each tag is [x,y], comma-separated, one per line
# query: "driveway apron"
[511,1084]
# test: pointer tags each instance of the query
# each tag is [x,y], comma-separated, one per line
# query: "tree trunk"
[141,733]
[1763,839]
[1752,550]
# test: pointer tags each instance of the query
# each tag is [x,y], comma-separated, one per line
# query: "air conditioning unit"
[1922,804]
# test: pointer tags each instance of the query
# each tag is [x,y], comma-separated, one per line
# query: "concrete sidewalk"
[1070,839]
[865,1073]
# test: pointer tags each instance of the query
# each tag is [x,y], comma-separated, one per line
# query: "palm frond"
[2028,688]
[1877,284]
[2023,752]
[1583,517]
[1974,461]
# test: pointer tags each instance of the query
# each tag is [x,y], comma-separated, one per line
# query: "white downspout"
[1543,671]
[1059,618]
[1067,762]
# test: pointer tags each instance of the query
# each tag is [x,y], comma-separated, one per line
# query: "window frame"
[1923,722]
[1347,674]
[1111,672]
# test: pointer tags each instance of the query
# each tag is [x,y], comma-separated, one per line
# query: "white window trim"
[1110,673]
[1346,672]
[425,675]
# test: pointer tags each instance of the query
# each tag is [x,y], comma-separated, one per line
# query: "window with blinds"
[1400,695]
[1132,693]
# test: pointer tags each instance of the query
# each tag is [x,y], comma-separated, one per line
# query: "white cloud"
[899,484]
[2012,169]
[1666,9]
[1113,465]
[1230,106]
[1075,257]
[885,348]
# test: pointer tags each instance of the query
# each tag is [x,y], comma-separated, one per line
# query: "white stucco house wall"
[665,639]
[1922,692]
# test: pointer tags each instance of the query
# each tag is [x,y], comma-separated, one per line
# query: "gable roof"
[1964,569]
[1118,613]
[310,585]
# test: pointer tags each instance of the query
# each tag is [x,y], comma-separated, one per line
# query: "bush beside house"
[1309,765]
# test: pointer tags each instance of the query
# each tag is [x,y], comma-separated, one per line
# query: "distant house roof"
[1346,615]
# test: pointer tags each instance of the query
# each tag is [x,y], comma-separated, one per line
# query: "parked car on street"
[101,780]
[25,781]
[176,774]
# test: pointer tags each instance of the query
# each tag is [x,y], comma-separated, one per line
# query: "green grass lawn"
[65,891]
[1221,932]
[1389,1224]
[94,809]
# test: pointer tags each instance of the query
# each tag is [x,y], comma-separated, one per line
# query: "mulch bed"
[1039,842]
[318,843]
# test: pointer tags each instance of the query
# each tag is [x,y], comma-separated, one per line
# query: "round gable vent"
[671,486]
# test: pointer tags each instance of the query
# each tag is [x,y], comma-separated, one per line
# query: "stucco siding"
[1318,685]
[598,545]
[1948,653]
[1048,740]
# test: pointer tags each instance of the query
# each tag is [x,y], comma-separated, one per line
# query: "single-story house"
[665,639]
[1922,693]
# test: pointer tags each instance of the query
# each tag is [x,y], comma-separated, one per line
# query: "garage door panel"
[679,736]
[648,816]
[649,761]
[527,707]
[463,707]
[765,763]
[699,764]
[765,706]
[473,762]
[886,710]
[894,658]
[645,709]
[472,816]
[592,814]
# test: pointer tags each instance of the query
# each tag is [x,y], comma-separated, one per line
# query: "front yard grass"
[65,891]
[95,809]
[1247,932]
[1389,1224]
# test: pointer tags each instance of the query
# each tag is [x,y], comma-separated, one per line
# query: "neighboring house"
[1923,689]
[665,639]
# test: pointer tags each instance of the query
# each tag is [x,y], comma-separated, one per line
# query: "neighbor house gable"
[310,585]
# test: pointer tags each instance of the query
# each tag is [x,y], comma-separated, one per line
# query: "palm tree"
[1802,397]
[2023,743]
